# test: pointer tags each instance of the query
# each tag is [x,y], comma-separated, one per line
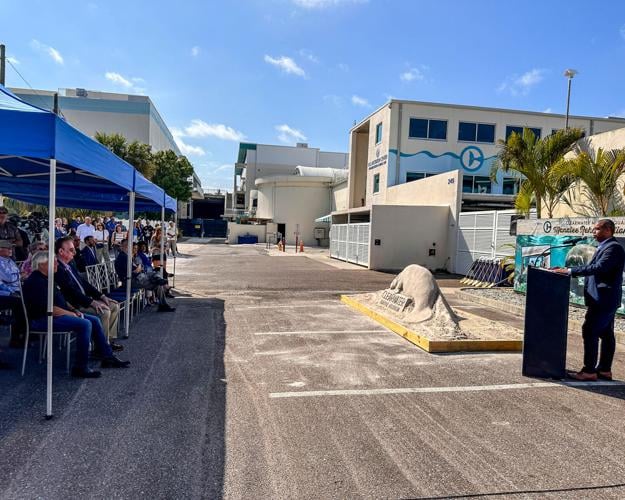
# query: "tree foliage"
[533,159]
[598,173]
[138,154]
[173,173]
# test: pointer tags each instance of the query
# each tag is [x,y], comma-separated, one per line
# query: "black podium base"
[546,324]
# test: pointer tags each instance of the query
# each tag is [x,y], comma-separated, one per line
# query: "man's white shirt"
[85,230]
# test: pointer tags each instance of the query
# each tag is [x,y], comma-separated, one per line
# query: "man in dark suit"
[89,255]
[602,295]
[81,294]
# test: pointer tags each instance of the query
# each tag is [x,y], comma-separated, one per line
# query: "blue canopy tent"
[45,160]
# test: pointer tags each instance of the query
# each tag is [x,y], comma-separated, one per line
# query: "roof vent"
[301,145]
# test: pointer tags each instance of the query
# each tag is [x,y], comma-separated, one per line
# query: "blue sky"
[283,71]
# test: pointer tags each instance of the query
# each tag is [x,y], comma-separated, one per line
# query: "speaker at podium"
[546,324]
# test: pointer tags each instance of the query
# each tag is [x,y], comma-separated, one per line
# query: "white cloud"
[309,55]
[622,32]
[547,110]
[195,51]
[186,149]
[289,135]
[13,60]
[199,128]
[521,85]
[322,4]
[286,64]
[343,67]
[51,51]
[128,84]
[360,101]
[117,79]
[412,74]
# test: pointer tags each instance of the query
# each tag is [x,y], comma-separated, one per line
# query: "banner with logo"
[565,242]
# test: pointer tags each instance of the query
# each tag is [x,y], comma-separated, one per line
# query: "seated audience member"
[81,294]
[59,230]
[33,248]
[142,253]
[9,293]
[141,279]
[79,260]
[89,252]
[66,318]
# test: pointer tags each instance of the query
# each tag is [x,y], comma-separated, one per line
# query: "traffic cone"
[301,246]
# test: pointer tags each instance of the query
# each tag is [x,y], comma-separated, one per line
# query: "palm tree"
[598,173]
[533,159]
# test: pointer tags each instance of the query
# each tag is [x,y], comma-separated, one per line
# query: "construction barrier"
[486,272]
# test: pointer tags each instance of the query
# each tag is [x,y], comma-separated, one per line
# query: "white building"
[133,116]
[415,166]
[262,161]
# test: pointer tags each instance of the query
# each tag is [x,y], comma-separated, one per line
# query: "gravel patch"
[505,297]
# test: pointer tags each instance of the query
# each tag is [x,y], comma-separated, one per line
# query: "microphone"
[574,241]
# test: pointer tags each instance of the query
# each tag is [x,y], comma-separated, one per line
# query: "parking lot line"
[308,332]
[430,390]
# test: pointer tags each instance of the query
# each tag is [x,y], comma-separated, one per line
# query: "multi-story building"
[133,116]
[403,141]
[263,161]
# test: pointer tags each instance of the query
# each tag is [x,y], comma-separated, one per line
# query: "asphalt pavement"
[263,385]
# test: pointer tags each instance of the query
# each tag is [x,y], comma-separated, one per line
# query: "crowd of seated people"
[78,306]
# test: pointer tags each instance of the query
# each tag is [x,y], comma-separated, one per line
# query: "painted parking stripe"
[430,390]
[309,332]
[335,303]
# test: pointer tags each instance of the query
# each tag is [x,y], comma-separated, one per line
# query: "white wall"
[406,235]
[236,230]
[134,127]
[339,197]
[295,202]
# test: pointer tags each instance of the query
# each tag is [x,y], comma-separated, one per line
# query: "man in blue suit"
[89,254]
[602,295]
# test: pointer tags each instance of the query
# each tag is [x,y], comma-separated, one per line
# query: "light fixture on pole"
[569,73]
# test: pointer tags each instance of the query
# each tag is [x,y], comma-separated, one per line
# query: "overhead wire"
[29,85]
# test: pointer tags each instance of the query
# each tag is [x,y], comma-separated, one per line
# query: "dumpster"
[247,239]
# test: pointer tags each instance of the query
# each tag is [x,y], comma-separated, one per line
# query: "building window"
[421,128]
[376,183]
[378,133]
[510,185]
[414,176]
[519,130]
[476,132]
[476,184]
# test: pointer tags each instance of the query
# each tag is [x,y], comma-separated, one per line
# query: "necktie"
[71,273]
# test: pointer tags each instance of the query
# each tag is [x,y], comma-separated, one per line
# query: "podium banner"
[565,242]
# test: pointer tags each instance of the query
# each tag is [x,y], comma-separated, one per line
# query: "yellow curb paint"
[434,346]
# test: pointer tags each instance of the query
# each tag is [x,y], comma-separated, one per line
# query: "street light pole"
[569,73]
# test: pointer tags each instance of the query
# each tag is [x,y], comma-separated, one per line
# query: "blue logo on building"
[472,158]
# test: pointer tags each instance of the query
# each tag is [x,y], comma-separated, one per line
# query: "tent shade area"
[44,160]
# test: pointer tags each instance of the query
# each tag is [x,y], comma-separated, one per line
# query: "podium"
[546,324]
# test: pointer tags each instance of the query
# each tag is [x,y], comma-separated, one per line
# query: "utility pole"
[2,64]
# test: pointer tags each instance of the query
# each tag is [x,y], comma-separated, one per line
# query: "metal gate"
[350,242]
[484,234]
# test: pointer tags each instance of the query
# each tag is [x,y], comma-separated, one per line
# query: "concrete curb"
[574,325]
[434,346]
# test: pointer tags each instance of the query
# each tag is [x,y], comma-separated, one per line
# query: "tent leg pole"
[130,241]
[163,236]
[51,217]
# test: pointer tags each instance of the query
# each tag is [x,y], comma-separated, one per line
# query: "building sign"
[565,242]
[471,158]
[394,301]
[379,160]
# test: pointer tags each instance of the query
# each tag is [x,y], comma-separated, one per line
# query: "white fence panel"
[350,242]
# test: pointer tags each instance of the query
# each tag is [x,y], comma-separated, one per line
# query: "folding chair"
[65,336]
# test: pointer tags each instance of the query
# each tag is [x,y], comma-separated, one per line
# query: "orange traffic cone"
[301,246]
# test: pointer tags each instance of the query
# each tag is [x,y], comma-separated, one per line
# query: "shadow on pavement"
[155,430]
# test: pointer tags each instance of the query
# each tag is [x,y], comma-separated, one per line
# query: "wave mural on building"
[471,160]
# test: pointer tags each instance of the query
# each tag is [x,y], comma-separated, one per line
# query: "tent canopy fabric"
[88,174]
